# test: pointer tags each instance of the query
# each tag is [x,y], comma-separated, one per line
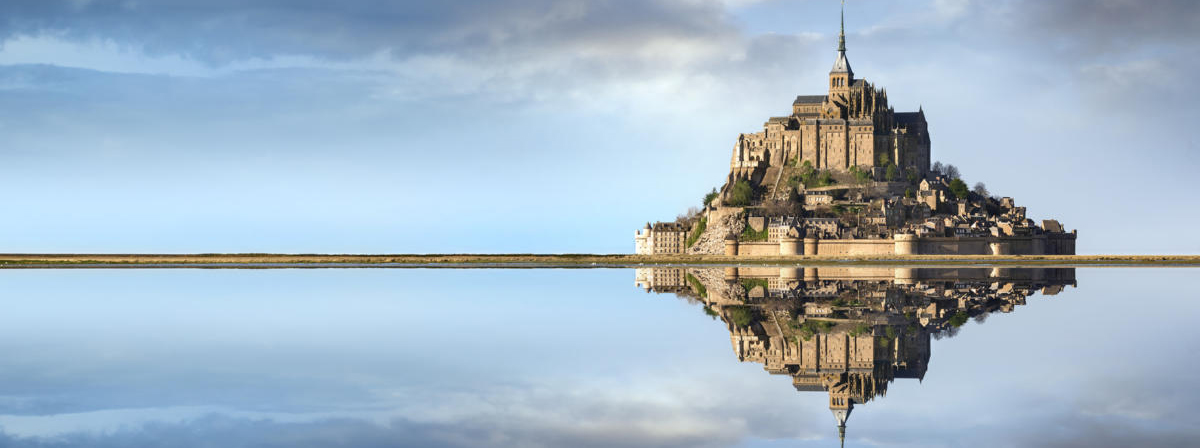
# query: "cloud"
[587,52]
[224,31]
[1096,27]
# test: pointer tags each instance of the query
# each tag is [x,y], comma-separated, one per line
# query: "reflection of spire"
[903,353]
[842,415]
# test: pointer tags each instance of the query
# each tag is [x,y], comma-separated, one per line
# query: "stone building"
[661,238]
[852,125]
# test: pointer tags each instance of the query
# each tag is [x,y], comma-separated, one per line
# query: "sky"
[506,126]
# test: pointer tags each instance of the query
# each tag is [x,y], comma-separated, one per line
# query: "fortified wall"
[906,244]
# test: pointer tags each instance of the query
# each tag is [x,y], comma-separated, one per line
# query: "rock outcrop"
[721,223]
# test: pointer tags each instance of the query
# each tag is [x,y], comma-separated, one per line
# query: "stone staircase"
[778,188]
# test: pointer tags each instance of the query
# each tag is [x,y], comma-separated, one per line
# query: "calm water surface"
[599,357]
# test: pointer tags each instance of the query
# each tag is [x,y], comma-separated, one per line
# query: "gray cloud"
[1093,27]
[222,31]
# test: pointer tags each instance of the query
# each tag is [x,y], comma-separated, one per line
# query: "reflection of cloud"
[215,430]
[1087,431]
[526,417]
[579,421]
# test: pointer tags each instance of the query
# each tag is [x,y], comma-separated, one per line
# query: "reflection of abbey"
[844,174]
[848,332]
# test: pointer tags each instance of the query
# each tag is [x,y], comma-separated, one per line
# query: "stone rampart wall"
[758,249]
[856,247]
[1048,244]
[953,246]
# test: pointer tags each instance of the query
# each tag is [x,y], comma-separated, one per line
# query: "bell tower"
[841,76]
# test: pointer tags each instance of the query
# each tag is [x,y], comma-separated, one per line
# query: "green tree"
[913,175]
[708,198]
[860,176]
[749,234]
[884,159]
[741,316]
[699,288]
[959,188]
[893,172]
[742,194]
[806,167]
[908,193]
[808,175]
[824,179]
[697,231]
[859,330]
[958,319]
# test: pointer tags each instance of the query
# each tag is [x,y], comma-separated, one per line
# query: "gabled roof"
[810,99]
[909,117]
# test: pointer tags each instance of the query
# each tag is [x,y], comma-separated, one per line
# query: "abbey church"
[846,175]
[851,126]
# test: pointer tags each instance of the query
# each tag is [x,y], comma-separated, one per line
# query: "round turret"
[906,244]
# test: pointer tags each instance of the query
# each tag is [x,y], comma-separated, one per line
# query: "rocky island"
[846,175]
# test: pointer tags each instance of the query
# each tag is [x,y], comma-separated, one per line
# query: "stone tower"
[841,76]
[851,126]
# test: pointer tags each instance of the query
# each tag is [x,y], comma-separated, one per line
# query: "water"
[551,357]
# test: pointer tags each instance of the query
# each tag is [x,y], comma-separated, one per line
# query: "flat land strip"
[566,260]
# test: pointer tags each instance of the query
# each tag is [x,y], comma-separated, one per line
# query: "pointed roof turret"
[841,65]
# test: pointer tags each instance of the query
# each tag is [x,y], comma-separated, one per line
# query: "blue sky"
[555,126]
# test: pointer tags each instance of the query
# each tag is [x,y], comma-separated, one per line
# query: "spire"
[841,65]
[842,434]
[842,34]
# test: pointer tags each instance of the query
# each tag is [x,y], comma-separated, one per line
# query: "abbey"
[846,175]
[850,126]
